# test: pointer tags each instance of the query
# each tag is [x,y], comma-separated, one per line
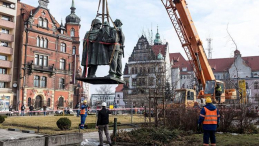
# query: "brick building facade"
[48,58]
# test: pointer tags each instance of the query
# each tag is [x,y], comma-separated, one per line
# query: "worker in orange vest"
[209,117]
[83,114]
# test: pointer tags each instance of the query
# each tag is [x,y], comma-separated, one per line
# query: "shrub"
[155,136]
[64,123]
[2,119]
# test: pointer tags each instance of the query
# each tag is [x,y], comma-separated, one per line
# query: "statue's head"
[118,23]
[105,24]
[96,23]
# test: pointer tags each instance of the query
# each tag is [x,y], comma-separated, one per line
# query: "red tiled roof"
[179,61]
[217,65]
[157,48]
[119,88]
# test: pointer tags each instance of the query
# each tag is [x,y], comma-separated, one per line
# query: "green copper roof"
[73,18]
[157,41]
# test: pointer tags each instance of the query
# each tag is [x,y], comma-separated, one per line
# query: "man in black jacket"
[102,124]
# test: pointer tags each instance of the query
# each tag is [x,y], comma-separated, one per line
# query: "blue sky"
[210,17]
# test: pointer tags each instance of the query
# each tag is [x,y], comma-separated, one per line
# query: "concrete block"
[13,129]
[64,139]
[34,141]
[28,131]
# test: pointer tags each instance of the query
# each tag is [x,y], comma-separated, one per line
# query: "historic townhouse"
[48,57]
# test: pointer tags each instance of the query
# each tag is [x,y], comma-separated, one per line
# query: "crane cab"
[185,97]
[211,88]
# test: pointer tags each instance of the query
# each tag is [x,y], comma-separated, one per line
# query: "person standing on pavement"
[209,117]
[77,107]
[44,109]
[22,110]
[31,109]
[83,113]
[102,124]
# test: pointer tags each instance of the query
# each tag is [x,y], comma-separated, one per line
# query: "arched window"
[38,102]
[72,32]
[61,102]
[40,21]
[29,101]
[45,23]
[63,47]
[48,102]
[132,70]
[38,41]
[41,42]
[45,43]
[74,50]
[43,82]
[36,81]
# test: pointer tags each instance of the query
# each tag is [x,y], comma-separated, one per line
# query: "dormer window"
[184,69]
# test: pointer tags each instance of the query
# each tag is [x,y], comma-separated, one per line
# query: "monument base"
[102,80]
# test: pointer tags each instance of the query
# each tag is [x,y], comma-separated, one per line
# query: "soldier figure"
[89,53]
[118,40]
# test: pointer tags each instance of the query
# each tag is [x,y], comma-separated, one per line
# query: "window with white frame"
[38,41]
[6,31]
[74,50]
[72,32]
[63,47]
[45,61]
[61,83]
[36,81]
[40,21]
[45,23]
[45,43]
[41,42]
[43,82]
[62,64]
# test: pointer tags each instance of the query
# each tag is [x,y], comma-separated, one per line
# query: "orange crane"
[181,19]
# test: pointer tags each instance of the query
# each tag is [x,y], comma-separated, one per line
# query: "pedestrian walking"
[44,109]
[10,109]
[31,109]
[77,107]
[83,113]
[102,124]
[22,110]
[209,117]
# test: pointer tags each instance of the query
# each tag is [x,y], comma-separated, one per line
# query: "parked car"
[48,111]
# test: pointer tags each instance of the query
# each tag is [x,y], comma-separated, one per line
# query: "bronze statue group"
[103,45]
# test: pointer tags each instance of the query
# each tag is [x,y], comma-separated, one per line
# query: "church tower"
[157,41]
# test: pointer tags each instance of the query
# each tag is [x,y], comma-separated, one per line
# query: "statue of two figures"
[103,45]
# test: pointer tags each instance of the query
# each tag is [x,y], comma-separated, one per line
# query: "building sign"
[242,90]
[4,103]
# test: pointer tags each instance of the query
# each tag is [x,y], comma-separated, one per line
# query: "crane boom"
[181,19]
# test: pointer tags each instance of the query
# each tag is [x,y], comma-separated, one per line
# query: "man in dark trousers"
[44,110]
[209,117]
[22,110]
[102,124]
[31,109]
[77,107]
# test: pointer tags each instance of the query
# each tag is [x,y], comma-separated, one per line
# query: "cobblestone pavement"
[8,135]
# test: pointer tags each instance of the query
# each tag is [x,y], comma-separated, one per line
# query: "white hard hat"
[104,104]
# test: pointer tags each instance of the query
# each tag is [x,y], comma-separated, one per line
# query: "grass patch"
[48,125]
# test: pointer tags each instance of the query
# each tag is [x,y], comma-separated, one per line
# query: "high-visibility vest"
[82,111]
[210,117]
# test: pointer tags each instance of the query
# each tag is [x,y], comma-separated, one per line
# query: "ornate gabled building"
[147,67]
[47,60]
[229,70]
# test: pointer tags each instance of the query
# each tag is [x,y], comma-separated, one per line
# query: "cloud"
[210,17]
